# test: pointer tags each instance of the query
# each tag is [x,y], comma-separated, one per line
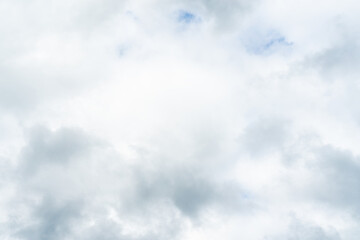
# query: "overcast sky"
[179,120]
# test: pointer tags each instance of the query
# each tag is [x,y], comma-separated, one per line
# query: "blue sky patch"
[277,41]
[265,44]
[186,17]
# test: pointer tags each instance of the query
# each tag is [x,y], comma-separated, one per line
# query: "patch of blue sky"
[266,44]
[187,17]
[277,41]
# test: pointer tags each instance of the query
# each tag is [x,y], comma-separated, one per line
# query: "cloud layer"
[154,119]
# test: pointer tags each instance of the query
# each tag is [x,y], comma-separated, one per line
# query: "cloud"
[337,62]
[264,135]
[46,147]
[179,120]
[71,185]
[52,220]
[300,230]
[338,178]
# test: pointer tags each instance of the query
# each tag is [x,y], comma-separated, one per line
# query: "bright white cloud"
[179,120]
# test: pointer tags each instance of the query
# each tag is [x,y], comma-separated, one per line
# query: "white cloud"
[179,119]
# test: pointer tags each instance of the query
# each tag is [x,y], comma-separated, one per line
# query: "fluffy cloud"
[179,120]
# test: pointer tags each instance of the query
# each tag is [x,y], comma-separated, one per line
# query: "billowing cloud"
[179,120]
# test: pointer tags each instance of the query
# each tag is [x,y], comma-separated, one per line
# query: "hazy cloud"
[185,119]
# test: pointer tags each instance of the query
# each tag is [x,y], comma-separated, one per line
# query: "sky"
[179,119]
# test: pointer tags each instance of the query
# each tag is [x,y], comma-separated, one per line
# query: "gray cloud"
[179,120]
[264,135]
[338,179]
[190,191]
[226,13]
[52,220]
[338,62]
[64,182]
[46,147]
[299,230]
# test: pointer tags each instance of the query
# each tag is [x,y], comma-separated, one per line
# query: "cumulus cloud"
[179,120]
